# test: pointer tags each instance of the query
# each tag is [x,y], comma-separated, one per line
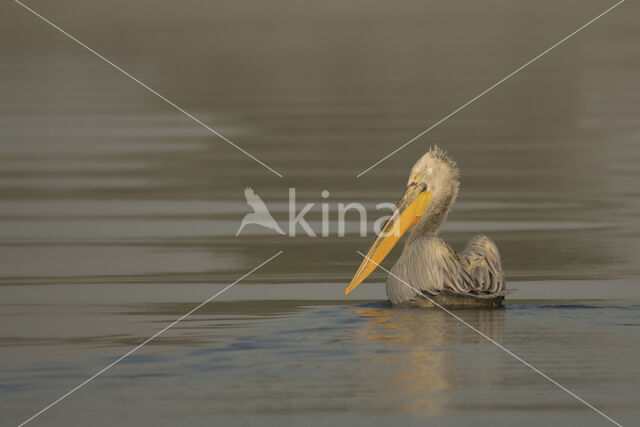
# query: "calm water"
[118,214]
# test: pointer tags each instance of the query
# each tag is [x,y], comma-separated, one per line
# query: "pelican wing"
[429,265]
[481,260]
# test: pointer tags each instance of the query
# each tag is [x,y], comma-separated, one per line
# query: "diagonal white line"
[177,107]
[91,378]
[500,346]
[502,80]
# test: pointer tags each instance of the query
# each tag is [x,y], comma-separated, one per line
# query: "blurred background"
[104,186]
[103,181]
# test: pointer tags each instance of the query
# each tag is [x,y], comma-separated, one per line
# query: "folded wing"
[431,266]
[481,260]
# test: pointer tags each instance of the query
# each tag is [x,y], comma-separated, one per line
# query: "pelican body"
[429,272]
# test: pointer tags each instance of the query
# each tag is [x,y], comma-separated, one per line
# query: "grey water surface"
[118,213]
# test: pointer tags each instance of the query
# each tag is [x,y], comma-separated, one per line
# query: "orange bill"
[408,212]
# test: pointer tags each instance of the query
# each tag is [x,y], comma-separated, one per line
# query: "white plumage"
[428,263]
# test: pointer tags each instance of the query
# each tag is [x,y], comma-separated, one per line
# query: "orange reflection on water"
[423,363]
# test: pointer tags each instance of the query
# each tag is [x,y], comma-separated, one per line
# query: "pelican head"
[431,189]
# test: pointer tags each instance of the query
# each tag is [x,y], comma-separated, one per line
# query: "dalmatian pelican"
[428,269]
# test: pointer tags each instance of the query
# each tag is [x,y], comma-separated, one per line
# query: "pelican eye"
[415,177]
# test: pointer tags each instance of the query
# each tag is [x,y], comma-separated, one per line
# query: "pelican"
[428,269]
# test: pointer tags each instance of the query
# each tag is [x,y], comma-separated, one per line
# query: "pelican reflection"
[424,354]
